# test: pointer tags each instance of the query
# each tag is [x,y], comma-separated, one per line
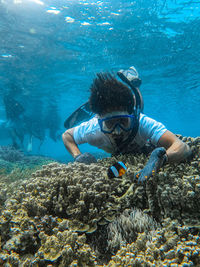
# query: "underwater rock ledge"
[73,215]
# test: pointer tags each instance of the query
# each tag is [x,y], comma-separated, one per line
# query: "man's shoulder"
[151,129]
[89,126]
[89,132]
[93,122]
[144,119]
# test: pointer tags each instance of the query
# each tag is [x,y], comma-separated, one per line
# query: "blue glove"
[157,159]
[86,158]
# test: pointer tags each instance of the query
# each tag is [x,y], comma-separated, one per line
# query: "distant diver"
[15,120]
[116,124]
[52,120]
[23,124]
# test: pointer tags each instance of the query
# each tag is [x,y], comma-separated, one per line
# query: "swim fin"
[83,113]
[30,144]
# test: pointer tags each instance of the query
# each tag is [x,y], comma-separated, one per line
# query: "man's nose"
[117,130]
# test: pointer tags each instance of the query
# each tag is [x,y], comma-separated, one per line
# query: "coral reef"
[10,154]
[11,158]
[172,245]
[6,166]
[74,215]
[16,166]
[70,191]
[47,238]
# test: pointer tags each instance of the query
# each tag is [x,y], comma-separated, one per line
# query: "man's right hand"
[157,159]
[85,158]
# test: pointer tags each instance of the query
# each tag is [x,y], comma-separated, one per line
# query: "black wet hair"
[109,94]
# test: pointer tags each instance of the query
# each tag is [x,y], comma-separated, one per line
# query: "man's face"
[117,125]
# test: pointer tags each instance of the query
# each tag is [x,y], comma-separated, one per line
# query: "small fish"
[117,170]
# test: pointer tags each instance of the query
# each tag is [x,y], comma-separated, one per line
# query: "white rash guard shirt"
[90,132]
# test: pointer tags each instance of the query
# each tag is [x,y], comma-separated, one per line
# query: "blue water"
[51,50]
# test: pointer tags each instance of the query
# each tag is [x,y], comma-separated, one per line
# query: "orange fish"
[117,170]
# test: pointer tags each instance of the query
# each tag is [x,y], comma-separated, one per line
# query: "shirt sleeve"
[85,131]
[151,129]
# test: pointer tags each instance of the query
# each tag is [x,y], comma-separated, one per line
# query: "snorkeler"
[14,115]
[23,124]
[17,124]
[119,126]
[52,119]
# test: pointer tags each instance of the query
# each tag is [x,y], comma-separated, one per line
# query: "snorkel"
[130,77]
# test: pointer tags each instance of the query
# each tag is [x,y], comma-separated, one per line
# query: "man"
[17,125]
[118,128]
[15,120]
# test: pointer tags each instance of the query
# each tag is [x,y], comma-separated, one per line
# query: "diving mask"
[125,122]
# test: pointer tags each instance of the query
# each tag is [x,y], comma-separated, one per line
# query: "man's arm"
[176,150]
[69,143]
[171,146]
[73,149]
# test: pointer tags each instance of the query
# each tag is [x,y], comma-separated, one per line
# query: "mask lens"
[125,122]
[110,123]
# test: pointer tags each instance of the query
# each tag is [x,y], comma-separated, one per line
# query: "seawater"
[51,51]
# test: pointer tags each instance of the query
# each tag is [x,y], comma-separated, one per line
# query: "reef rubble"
[74,215]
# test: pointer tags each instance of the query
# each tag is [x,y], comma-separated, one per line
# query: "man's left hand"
[157,159]
[85,158]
